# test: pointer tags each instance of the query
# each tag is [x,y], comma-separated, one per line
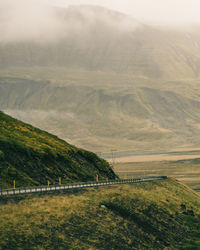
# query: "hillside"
[33,157]
[101,117]
[155,215]
[109,82]
[98,39]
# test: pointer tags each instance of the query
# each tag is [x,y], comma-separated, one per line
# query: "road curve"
[17,191]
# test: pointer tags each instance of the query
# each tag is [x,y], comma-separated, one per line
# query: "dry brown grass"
[77,221]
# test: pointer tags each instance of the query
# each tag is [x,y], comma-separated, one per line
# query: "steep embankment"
[31,156]
[155,215]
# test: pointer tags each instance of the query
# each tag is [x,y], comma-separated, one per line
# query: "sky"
[156,11]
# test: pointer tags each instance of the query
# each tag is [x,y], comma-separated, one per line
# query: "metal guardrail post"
[77,185]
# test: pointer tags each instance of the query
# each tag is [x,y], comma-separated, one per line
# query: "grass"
[32,157]
[137,216]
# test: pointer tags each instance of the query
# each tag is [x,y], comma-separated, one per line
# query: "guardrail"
[26,190]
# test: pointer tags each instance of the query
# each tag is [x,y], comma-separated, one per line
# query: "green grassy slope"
[31,157]
[155,215]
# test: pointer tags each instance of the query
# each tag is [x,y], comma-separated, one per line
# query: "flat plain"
[184,169]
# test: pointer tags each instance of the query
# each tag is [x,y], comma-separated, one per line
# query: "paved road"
[75,186]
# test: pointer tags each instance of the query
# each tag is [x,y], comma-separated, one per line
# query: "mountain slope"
[109,82]
[104,117]
[97,39]
[31,157]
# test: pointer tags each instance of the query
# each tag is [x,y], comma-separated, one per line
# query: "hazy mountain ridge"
[94,38]
[90,116]
[107,82]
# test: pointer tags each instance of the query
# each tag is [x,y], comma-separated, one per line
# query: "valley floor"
[185,168]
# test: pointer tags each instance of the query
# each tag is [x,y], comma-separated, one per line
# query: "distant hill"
[101,118]
[98,39]
[32,157]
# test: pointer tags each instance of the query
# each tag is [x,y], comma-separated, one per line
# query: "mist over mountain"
[30,21]
[94,38]
[101,79]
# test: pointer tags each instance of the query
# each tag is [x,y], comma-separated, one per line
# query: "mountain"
[100,118]
[97,39]
[33,157]
[108,82]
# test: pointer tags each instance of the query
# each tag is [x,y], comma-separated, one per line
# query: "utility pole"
[113,156]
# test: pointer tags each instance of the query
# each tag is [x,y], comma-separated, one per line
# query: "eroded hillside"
[138,117]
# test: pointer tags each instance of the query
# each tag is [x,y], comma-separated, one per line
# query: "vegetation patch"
[129,216]
[33,157]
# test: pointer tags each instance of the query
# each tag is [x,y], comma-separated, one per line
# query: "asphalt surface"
[22,190]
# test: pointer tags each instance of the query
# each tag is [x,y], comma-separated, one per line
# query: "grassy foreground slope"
[32,156]
[155,215]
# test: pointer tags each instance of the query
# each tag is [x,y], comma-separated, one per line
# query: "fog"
[37,20]
[41,21]
[27,20]
[173,12]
